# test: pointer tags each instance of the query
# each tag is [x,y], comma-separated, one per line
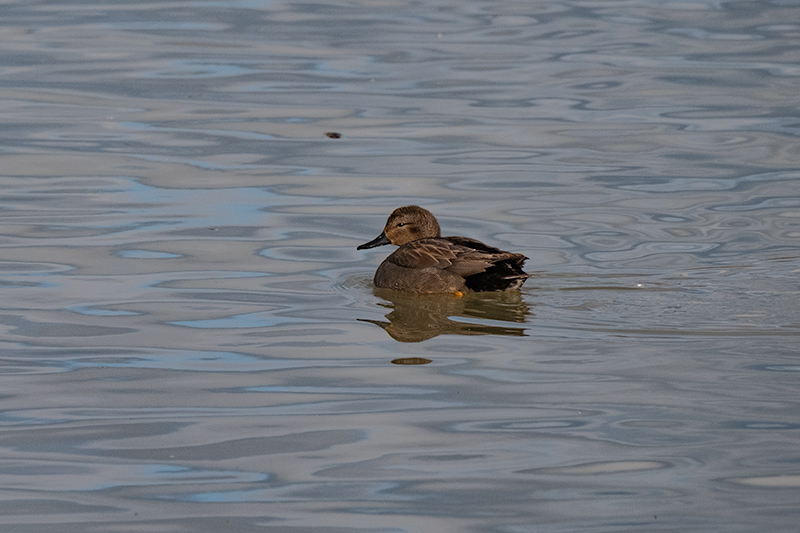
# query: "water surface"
[191,342]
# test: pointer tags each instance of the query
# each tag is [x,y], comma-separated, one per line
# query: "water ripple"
[191,340]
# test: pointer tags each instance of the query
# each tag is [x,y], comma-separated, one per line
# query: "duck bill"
[380,240]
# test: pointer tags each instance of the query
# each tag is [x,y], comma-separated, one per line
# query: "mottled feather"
[461,262]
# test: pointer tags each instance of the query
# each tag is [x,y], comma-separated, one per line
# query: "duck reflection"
[419,317]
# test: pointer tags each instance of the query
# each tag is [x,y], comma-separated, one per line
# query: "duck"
[428,263]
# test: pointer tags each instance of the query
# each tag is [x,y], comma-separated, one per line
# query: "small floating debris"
[411,361]
[333,135]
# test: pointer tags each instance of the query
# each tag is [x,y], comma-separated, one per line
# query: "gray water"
[190,341]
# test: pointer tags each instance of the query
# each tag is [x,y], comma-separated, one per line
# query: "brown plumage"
[426,262]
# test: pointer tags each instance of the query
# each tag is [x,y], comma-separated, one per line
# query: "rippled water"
[191,342]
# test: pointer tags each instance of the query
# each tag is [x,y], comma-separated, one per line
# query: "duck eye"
[401,224]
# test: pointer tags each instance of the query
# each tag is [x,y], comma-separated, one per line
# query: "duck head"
[406,224]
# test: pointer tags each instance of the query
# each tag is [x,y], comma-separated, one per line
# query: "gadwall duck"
[426,262]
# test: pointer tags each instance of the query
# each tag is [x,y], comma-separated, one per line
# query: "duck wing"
[460,255]
[497,254]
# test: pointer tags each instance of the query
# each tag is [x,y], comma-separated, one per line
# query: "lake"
[192,343]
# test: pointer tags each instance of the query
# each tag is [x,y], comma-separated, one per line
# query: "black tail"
[501,276]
